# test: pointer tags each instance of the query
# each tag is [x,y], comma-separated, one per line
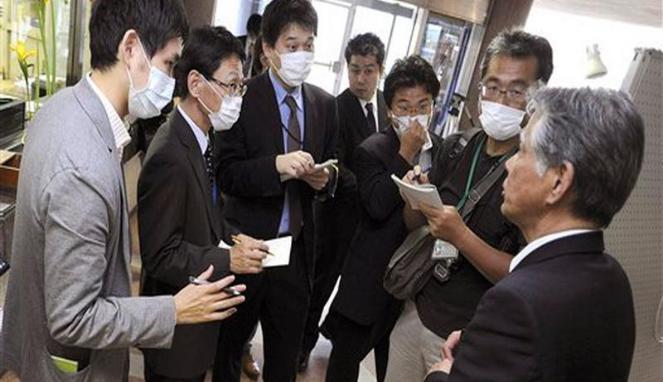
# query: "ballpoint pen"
[229,290]
[236,240]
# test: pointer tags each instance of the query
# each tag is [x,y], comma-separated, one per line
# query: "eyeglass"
[493,92]
[236,89]
[421,109]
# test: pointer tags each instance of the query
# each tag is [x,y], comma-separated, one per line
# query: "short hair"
[257,52]
[279,14]
[204,51]
[520,44]
[364,45]
[600,132]
[253,24]
[155,21]
[410,72]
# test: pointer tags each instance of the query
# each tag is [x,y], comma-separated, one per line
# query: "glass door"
[444,42]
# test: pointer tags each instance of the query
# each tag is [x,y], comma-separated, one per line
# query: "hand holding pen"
[247,254]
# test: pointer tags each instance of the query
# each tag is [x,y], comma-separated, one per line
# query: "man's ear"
[561,182]
[129,47]
[194,82]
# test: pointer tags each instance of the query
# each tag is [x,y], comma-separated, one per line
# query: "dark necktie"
[370,118]
[209,167]
[294,143]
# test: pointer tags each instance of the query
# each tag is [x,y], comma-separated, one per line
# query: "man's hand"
[316,179]
[443,366]
[445,223]
[416,176]
[412,141]
[195,304]
[294,164]
[247,254]
[450,345]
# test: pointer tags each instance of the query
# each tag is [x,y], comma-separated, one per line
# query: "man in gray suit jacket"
[68,314]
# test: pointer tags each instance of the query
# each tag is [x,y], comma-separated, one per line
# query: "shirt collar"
[119,128]
[540,242]
[200,135]
[281,91]
[373,101]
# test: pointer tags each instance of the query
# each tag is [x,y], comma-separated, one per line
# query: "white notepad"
[418,194]
[280,248]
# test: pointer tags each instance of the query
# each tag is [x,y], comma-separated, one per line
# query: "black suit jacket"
[179,233]
[247,153]
[564,314]
[381,230]
[353,129]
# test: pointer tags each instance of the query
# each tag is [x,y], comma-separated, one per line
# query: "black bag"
[411,266]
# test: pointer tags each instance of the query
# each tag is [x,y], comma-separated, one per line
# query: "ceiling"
[643,12]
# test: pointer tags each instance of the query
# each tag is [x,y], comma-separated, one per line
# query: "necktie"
[209,168]
[292,188]
[370,118]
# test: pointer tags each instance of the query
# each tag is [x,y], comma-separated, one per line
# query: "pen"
[197,281]
[417,173]
[237,241]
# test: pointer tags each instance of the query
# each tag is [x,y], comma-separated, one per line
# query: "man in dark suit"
[179,204]
[362,112]
[266,171]
[363,313]
[249,40]
[565,312]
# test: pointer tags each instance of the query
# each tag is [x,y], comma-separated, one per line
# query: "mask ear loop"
[149,65]
[215,92]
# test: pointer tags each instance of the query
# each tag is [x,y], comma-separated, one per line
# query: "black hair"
[204,51]
[520,44]
[364,45]
[257,52]
[253,24]
[155,21]
[279,14]
[410,72]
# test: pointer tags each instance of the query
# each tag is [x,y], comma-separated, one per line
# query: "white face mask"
[148,102]
[405,122]
[499,121]
[228,113]
[295,67]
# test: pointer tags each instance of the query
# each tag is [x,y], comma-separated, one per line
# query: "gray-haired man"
[565,311]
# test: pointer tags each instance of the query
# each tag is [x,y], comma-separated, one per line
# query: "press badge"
[444,250]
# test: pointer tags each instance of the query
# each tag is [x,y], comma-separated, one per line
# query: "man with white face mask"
[69,298]
[363,313]
[178,236]
[266,171]
[481,244]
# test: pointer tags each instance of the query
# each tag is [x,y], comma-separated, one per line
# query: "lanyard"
[473,168]
[475,159]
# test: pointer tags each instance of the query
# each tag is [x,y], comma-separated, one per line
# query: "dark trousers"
[278,298]
[336,222]
[351,343]
[150,376]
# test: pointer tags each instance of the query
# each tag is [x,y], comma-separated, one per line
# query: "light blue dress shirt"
[284,110]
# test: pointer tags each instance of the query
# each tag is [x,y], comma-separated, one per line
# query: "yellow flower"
[21,52]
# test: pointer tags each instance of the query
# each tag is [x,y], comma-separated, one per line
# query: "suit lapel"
[310,115]
[383,118]
[269,109]
[585,243]
[188,140]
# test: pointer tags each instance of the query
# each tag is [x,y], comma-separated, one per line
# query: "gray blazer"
[69,287]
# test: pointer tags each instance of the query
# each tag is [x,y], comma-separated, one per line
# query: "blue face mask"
[148,101]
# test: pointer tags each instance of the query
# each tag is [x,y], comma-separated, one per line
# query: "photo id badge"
[444,250]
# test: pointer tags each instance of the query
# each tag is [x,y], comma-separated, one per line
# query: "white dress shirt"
[540,242]
[374,102]
[200,135]
[120,129]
